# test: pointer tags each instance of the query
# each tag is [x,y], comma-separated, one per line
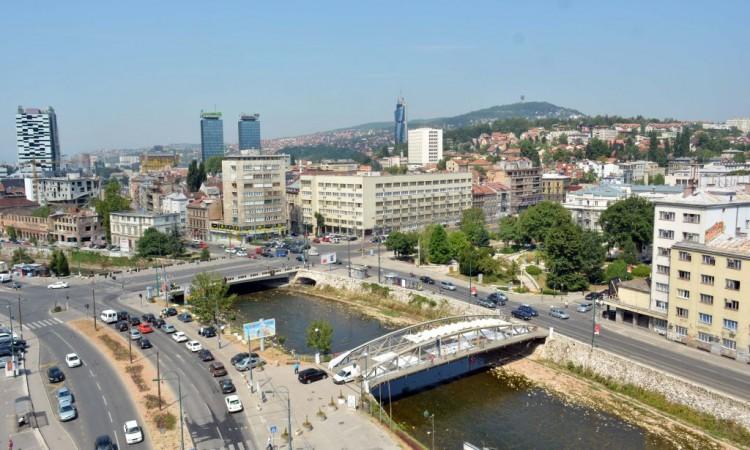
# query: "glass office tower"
[249,130]
[212,135]
[400,134]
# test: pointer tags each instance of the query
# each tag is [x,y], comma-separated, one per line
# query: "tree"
[320,222]
[563,248]
[472,224]
[457,242]
[538,220]
[508,231]
[59,264]
[439,248]
[402,244]
[192,176]
[292,160]
[320,336]
[175,246]
[617,269]
[153,243]
[213,165]
[657,180]
[593,253]
[210,298]
[112,202]
[42,211]
[631,219]
[205,254]
[441,164]
[597,148]
[12,233]
[20,256]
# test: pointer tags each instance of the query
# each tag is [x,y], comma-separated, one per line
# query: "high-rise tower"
[37,140]
[400,131]
[212,135]
[249,131]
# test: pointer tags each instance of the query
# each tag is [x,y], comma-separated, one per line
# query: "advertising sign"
[328,258]
[260,329]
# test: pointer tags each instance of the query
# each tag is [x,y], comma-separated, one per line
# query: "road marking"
[104,399]
[58,320]
[220,435]
[110,417]
[97,386]
[117,439]
[92,373]
[30,326]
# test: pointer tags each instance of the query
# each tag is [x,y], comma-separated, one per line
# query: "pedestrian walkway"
[43,323]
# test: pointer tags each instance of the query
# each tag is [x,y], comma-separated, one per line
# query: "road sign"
[260,329]
[274,430]
[328,258]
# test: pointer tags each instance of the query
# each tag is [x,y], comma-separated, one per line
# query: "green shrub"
[533,270]
[376,289]
[641,271]
[521,289]
[548,291]
[165,421]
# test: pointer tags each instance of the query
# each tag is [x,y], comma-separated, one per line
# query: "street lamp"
[288,412]
[179,394]
[431,416]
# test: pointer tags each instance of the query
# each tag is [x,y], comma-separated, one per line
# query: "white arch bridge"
[433,352]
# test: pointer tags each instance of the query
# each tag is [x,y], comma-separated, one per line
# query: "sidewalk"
[266,407]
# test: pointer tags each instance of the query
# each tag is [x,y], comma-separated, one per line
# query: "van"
[108,316]
[5,278]
[347,374]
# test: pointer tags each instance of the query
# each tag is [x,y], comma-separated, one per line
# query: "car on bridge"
[311,375]
[558,312]
[521,314]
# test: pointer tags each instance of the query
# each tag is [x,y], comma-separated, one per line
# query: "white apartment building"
[604,134]
[696,216]
[742,124]
[72,189]
[425,146]
[127,227]
[360,204]
[587,205]
[176,202]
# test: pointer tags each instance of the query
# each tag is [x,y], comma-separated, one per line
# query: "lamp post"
[285,390]
[179,394]
[431,416]
[469,278]
[20,318]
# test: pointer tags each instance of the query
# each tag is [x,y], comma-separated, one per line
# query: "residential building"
[38,140]
[26,225]
[158,162]
[492,199]
[72,189]
[425,146]
[359,204]
[523,179]
[639,171]
[400,126]
[212,135]
[254,196]
[127,227]
[604,134]
[632,305]
[587,205]
[742,124]
[176,202]
[249,131]
[697,217]
[77,227]
[200,213]
[714,175]
[709,295]
[554,187]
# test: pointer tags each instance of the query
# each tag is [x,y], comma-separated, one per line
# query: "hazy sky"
[137,73]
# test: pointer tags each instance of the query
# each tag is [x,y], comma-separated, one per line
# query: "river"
[479,409]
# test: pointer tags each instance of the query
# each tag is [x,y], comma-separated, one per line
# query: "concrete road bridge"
[423,355]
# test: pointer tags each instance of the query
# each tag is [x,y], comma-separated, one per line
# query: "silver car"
[559,313]
[248,363]
[584,307]
[67,412]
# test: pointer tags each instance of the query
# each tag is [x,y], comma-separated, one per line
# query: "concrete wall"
[563,350]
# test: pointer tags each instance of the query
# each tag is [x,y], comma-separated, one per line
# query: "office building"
[38,140]
[212,135]
[400,129]
[72,189]
[249,131]
[127,227]
[254,197]
[425,146]
[363,203]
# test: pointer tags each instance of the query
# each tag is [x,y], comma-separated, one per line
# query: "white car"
[133,433]
[233,403]
[58,285]
[194,346]
[72,360]
[179,336]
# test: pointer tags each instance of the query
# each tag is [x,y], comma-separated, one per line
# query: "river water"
[479,409]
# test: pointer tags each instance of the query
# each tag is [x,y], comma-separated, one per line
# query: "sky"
[138,73]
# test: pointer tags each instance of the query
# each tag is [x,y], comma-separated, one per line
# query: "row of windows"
[705,279]
[686,217]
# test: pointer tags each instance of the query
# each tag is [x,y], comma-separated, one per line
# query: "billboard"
[260,329]
[328,258]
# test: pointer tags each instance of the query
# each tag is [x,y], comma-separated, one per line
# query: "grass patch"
[98,259]
[152,402]
[721,428]
[136,374]
[376,289]
[117,348]
[420,301]
[165,421]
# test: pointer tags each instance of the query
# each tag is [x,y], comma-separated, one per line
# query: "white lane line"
[110,417]
[58,320]
[220,435]
[30,326]
[117,439]
[48,322]
[98,387]
[104,399]
[92,373]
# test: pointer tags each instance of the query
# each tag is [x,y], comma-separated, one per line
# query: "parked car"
[135,321]
[426,280]
[169,312]
[148,317]
[194,346]
[217,369]
[72,360]
[55,375]
[521,314]
[311,375]
[531,311]
[584,307]
[123,325]
[145,328]
[226,385]
[184,317]
[179,336]
[144,344]
[447,285]
[240,356]
[233,403]
[104,443]
[123,315]
[346,374]
[591,296]
[158,323]
[251,362]
[208,331]
[134,334]
[558,312]
[58,285]
[487,303]
[133,433]
[64,396]
[168,328]
[205,355]
[66,413]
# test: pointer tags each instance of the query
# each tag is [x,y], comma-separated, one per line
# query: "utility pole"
[130,340]
[20,318]
[349,255]
[179,394]
[93,298]
[593,324]
[288,413]
[469,278]
[158,377]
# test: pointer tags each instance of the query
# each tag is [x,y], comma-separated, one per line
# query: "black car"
[55,375]
[158,323]
[144,343]
[591,296]
[209,331]
[149,318]
[104,443]
[135,321]
[185,317]
[521,314]
[205,355]
[308,376]
[426,280]
[123,325]
[123,315]
[497,298]
[169,312]
[487,303]
[226,385]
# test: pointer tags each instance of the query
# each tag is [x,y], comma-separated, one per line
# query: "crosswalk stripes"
[232,446]
[43,323]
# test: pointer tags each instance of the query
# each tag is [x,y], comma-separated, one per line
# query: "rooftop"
[734,245]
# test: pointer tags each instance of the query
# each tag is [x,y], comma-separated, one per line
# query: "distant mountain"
[526,110]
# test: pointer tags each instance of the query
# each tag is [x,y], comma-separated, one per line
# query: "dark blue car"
[521,314]
[529,310]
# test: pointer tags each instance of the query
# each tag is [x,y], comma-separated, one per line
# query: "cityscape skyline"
[644,66]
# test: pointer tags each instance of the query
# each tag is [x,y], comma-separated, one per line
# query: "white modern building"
[695,216]
[72,189]
[37,140]
[176,202]
[425,146]
[127,227]
[742,124]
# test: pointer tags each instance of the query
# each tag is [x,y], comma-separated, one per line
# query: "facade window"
[735,264]
[662,287]
[661,305]
[664,270]
[729,344]
[730,324]
[691,218]
[682,312]
[683,275]
[732,305]
[683,293]
[685,256]
[680,331]
[691,237]
[666,215]
[707,299]
[732,284]
[666,234]
[704,318]
[705,337]
[709,260]
[663,252]
[707,279]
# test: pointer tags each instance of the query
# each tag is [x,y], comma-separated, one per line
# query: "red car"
[145,327]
